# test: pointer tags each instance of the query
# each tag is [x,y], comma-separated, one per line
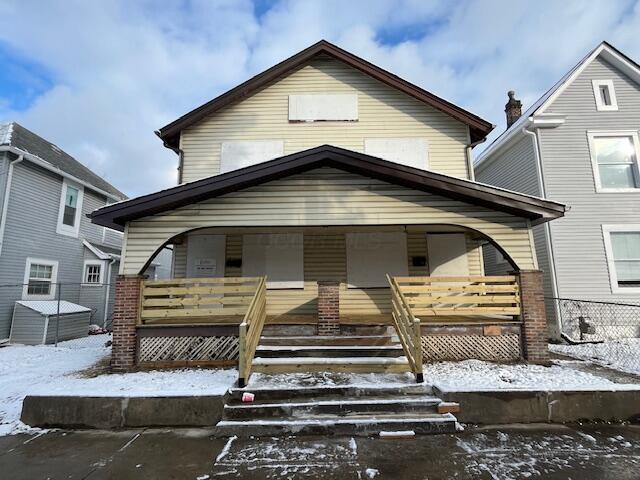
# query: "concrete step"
[310,340]
[279,351]
[313,392]
[415,405]
[338,425]
[331,364]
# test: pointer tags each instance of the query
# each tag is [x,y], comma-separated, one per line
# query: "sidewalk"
[550,452]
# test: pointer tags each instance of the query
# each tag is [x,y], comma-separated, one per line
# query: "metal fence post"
[58,293]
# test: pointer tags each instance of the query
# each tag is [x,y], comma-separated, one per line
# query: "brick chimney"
[513,108]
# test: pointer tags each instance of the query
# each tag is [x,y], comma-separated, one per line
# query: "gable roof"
[170,133]
[15,135]
[536,209]
[604,50]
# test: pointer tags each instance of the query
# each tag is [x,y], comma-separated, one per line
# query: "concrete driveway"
[554,452]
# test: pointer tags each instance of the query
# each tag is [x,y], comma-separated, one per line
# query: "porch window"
[39,279]
[371,256]
[278,256]
[70,209]
[615,161]
[622,245]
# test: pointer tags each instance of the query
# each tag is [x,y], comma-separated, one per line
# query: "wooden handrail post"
[242,360]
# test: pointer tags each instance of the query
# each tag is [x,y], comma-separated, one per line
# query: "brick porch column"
[535,337]
[329,308]
[125,316]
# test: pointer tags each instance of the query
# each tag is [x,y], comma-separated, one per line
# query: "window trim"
[591,136]
[61,228]
[54,279]
[600,106]
[87,263]
[608,250]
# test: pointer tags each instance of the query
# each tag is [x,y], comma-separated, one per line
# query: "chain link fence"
[57,313]
[603,332]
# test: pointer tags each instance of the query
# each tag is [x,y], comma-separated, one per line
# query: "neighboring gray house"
[578,145]
[45,236]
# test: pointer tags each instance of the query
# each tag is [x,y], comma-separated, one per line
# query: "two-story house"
[47,243]
[578,144]
[352,191]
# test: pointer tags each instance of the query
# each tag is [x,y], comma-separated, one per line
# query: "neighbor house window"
[92,272]
[622,246]
[615,161]
[70,209]
[605,95]
[39,279]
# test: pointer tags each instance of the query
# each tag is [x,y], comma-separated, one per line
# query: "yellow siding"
[325,197]
[383,112]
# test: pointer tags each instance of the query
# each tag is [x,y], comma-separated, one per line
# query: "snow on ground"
[478,375]
[622,354]
[49,370]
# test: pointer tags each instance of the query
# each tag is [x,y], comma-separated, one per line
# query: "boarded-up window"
[448,255]
[279,256]
[371,256]
[235,155]
[205,255]
[412,152]
[323,106]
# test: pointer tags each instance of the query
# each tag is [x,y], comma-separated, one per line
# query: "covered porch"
[344,245]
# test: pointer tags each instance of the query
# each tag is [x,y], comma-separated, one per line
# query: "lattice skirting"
[463,347]
[187,349]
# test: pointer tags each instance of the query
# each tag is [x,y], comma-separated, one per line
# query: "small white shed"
[34,322]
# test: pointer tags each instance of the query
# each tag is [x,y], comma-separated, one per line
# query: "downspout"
[108,291]
[469,156]
[547,227]
[7,194]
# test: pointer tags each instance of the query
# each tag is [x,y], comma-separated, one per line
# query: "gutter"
[7,194]
[467,149]
[549,242]
[47,166]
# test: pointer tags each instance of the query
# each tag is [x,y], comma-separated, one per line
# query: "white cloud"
[123,69]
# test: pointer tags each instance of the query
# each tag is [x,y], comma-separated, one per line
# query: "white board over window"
[205,255]
[371,256]
[235,155]
[448,255]
[323,106]
[412,152]
[279,256]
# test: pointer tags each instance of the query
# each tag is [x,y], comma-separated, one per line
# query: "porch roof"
[536,209]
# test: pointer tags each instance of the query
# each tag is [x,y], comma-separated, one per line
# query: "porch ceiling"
[535,209]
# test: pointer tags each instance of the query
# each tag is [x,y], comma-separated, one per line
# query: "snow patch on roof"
[50,307]
[6,131]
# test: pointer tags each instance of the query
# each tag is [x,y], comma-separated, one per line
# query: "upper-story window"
[407,151]
[240,154]
[605,95]
[320,107]
[92,272]
[70,209]
[614,156]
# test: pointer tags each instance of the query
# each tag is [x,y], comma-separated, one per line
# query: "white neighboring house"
[46,238]
[579,145]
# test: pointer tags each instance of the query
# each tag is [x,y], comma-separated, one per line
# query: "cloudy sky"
[98,77]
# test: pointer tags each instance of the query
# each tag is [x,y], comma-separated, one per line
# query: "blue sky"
[103,76]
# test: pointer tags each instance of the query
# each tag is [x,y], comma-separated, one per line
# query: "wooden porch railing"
[196,300]
[408,328]
[251,331]
[473,295]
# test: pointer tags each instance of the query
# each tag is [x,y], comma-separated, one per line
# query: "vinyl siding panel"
[383,112]
[4,172]
[325,197]
[31,232]
[578,244]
